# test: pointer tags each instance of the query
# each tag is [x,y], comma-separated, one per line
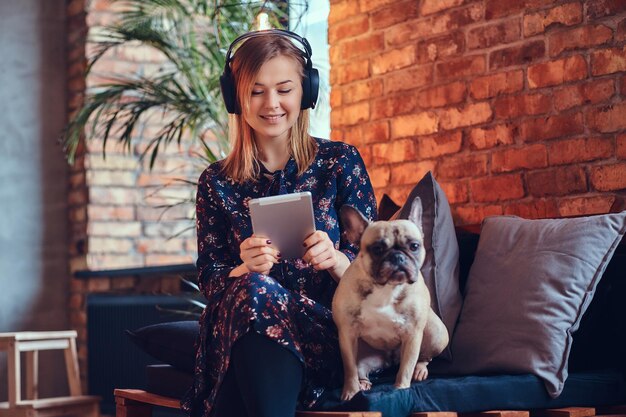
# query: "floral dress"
[291,305]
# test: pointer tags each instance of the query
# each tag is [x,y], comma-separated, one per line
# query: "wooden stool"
[31,343]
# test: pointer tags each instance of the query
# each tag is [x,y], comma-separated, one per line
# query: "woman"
[267,342]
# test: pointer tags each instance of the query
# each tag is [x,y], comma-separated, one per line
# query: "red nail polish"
[304,244]
[278,254]
[269,242]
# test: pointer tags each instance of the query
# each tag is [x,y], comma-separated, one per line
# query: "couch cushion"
[172,343]
[529,285]
[441,265]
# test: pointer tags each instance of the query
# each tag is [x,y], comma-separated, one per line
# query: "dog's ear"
[353,223]
[416,212]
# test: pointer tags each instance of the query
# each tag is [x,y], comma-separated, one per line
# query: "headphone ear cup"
[310,88]
[229,93]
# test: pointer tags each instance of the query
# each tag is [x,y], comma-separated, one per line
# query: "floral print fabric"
[291,305]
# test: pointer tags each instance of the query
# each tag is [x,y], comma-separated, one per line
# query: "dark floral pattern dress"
[292,304]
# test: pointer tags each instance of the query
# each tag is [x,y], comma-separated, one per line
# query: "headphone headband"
[310,81]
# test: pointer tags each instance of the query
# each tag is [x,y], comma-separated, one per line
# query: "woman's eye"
[284,91]
[257,93]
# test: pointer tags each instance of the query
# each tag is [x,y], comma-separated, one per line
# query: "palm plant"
[191,35]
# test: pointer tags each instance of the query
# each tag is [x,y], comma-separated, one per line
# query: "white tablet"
[285,219]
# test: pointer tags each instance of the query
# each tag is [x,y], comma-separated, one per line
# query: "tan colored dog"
[382,305]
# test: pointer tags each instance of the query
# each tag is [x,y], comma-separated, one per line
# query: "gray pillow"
[441,265]
[529,285]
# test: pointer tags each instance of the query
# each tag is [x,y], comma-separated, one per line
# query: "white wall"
[33,177]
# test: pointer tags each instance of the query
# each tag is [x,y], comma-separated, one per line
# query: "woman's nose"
[272,100]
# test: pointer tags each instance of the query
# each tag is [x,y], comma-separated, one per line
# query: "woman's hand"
[257,254]
[322,255]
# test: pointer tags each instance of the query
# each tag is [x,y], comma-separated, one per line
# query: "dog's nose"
[397,258]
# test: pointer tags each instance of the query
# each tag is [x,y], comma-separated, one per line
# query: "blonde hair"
[242,163]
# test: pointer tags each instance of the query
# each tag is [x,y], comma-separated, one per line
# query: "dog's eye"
[414,246]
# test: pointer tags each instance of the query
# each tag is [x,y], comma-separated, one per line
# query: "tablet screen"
[287,220]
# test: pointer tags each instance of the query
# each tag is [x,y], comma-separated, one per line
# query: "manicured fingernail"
[278,254]
[304,244]
[269,242]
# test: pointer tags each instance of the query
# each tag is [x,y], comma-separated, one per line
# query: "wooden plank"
[14,374]
[60,334]
[52,344]
[32,375]
[142,396]
[71,364]
[435,414]
[498,413]
[565,412]
[338,414]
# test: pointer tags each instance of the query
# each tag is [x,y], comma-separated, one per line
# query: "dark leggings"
[263,380]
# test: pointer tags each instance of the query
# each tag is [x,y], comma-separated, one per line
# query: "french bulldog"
[382,306]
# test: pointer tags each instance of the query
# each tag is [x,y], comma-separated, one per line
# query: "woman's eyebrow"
[280,83]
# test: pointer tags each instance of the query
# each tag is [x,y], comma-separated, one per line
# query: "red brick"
[369,5]
[409,31]
[510,107]
[458,18]
[608,61]
[471,114]
[474,215]
[113,195]
[464,166]
[362,90]
[410,173]
[408,79]
[364,45]
[456,192]
[600,8]
[414,124]
[434,146]
[375,132]
[109,245]
[168,259]
[395,105]
[395,151]
[443,95]
[342,10]
[96,212]
[567,14]
[434,6]
[434,49]
[535,209]
[620,35]
[496,84]
[579,206]
[621,146]
[484,138]
[352,71]
[394,13]
[353,114]
[461,67]
[608,118]
[557,72]
[512,159]
[393,60]
[121,229]
[380,176]
[552,127]
[494,34]
[591,92]
[559,181]
[608,177]
[336,97]
[497,188]
[623,86]
[517,55]
[582,37]
[579,150]
[354,26]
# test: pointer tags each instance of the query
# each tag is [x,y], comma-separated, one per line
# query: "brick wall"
[516,106]
[114,203]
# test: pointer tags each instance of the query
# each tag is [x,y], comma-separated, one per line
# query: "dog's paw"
[365,384]
[349,390]
[421,371]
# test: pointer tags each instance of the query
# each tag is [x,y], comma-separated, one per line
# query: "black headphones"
[310,81]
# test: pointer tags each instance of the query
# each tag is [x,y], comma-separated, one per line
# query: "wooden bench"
[30,343]
[139,403]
